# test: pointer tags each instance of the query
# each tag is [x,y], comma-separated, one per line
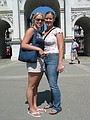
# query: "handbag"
[29,55]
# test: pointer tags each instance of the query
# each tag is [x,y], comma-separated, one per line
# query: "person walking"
[54,50]
[35,70]
[74,54]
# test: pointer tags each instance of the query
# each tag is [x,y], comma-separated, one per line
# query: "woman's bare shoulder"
[30,30]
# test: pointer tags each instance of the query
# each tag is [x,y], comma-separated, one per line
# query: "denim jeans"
[51,64]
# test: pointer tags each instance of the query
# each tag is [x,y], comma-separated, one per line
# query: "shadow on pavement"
[43,96]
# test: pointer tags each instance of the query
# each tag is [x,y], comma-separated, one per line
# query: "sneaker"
[70,62]
[78,62]
[26,102]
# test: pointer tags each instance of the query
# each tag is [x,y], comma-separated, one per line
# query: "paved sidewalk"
[74,84]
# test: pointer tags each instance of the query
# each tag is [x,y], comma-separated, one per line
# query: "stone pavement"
[74,83]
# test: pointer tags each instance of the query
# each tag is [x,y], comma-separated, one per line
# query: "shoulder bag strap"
[49,32]
[33,39]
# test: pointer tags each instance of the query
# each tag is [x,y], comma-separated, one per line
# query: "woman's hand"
[41,52]
[60,68]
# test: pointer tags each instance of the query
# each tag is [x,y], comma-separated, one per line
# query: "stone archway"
[30,5]
[3,27]
[84,22]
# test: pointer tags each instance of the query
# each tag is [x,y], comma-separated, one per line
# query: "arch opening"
[31,5]
[83,34]
[5,48]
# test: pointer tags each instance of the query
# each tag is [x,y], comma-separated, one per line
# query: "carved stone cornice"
[3,2]
[79,12]
[6,16]
[80,9]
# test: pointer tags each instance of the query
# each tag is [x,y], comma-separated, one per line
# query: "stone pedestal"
[68,30]
[67,48]
[15,49]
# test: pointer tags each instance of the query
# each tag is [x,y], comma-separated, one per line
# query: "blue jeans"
[51,64]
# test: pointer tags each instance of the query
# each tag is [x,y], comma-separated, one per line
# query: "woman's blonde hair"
[35,15]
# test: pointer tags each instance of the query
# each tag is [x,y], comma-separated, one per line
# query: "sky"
[43,10]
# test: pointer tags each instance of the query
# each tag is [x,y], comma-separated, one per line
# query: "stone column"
[22,24]
[16,30]
[68,28]
[67,7]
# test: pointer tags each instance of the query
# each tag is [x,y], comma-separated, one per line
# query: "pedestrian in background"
[54,50]
[74,54]
[35,70]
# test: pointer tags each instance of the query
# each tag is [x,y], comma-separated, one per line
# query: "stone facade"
[71,15]
[3,3]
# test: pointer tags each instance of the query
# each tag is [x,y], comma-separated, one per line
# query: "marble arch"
[30,5]
[68,13]
[78,17]
[8,21]
[4,25]
[84,22]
